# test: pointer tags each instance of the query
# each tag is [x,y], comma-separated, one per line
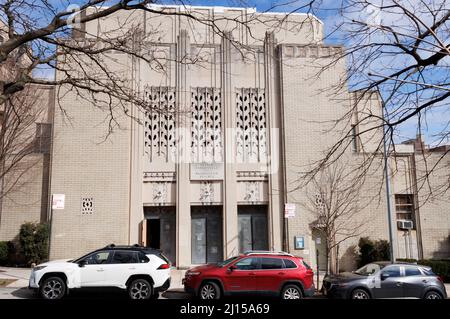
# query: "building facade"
[207,171]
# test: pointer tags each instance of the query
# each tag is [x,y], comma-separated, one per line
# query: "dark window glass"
[393,271]
[247,264]
[289,263]
[271,263]
[43,137]
[412,271]
[428,272]
[143,258]
[124,257]
[98,258]
[404,206]
[354,139]
[306,265]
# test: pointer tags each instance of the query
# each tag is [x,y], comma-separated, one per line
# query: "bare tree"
[333,200]
[398,50]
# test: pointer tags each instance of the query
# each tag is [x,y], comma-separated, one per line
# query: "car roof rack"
[267,252]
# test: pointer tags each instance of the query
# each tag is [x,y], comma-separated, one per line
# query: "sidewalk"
[20,275]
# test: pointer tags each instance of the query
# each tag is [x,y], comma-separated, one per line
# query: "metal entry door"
[167,229]
[168,237]
[253,232]
[198,240]
[206,234]
[245,233]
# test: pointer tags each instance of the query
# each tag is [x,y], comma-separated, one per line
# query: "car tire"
[359,294]
[140,289]
[52,288]
[209,290]
[155,296]
[432,294]
[291,292]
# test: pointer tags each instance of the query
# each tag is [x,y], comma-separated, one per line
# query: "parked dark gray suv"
[385,280]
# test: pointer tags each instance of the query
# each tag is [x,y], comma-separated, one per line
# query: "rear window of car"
[272,263]
[428,272]
[143,258]
[289,263]
[124,257]
[306,265]
[412,271]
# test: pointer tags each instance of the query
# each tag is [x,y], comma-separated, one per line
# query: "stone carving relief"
[206,192]
[252,192]
[159,192]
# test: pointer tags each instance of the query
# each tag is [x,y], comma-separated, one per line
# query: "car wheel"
[209,290]
[140,289]
[360,294]
[52,288]
[432,295]
[291,292]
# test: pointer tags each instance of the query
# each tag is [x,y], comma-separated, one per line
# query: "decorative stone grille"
[251,125]
[159,122]
[87,205]
[206,129]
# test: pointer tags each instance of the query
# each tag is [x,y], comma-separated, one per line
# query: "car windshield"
[369,269]
[226,262]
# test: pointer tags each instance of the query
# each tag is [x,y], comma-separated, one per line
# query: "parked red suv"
[257,272]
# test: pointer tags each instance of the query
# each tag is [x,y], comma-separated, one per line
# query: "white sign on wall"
[289,210]
[207,171]
[58,201]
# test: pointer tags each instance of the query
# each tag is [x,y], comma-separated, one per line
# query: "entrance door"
[253,232]
[320,245]
[198,240]
[206,234]
[154,233]
[160,230]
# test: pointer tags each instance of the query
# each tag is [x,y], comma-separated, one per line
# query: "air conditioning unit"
[405,224]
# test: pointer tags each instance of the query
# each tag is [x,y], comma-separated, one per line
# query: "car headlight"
[194,273]
[38,268]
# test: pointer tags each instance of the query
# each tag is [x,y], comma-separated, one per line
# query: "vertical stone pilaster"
[136,210]
[183,209]
[274,136]
[230,218]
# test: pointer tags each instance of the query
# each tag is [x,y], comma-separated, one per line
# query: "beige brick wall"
[434,205]
[85,164]
[23,202]
[25,186]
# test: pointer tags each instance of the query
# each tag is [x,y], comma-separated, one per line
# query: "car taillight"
[441,278]
[164,266]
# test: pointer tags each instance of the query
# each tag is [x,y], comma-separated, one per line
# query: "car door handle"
[424,281]
[132,268]
[281,273]
[252,274]
[399,284]
[100,270]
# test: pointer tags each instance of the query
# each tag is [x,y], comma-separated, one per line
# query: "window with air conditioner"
[404,209]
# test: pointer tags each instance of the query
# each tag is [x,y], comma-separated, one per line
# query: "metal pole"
[388,191]
[317,269]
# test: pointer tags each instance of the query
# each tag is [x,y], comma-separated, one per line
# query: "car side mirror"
[82,263]
[231,268]
[384,276]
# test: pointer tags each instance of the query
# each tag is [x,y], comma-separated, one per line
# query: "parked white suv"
[144,272]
